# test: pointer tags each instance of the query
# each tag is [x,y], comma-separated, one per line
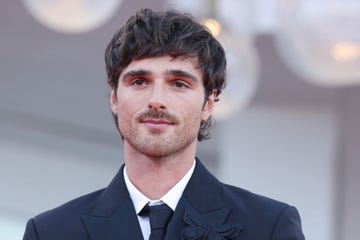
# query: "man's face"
[160,105]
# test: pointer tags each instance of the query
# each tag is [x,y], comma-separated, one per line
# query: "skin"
[160,104]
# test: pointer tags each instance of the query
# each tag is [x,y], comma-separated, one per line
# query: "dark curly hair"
[151,34]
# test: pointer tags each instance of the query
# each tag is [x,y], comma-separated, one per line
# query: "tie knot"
[159,216]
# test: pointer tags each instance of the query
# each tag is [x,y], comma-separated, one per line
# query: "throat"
[154,180]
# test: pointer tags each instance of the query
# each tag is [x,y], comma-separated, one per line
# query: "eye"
[138,82]
[180,84]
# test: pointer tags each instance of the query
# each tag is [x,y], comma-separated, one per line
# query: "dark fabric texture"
[208,209]
[159,217]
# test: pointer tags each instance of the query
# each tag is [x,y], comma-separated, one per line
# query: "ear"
[113,101]
[208,106]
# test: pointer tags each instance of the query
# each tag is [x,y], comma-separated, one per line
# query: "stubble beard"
[164,144]
[160,145]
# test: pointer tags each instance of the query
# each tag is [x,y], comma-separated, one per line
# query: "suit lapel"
[200,213]
[114,216]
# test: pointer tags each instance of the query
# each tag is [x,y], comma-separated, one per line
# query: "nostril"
[152,107]
[156,107]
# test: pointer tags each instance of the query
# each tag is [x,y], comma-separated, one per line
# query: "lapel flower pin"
[199,229]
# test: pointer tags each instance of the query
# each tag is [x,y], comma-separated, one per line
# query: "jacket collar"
[114,216]
[200,211]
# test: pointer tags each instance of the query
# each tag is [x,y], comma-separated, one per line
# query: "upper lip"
[156,121]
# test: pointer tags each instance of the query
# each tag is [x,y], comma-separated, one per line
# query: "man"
[165,72]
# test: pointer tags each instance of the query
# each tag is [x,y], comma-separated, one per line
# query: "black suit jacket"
[208,209]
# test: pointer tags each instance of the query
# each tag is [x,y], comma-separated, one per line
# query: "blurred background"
[287,125]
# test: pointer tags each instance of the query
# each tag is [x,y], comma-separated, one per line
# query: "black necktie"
[159,217]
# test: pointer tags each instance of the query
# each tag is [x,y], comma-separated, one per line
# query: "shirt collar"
[171,198]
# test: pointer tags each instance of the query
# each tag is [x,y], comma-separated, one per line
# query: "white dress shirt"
[171,198]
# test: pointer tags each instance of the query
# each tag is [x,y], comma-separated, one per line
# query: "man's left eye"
[180,84]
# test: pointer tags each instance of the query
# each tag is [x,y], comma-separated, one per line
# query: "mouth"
[156,124]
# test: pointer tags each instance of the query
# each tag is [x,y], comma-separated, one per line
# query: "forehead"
[162,64]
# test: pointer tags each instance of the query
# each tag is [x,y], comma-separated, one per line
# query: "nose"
[157,99]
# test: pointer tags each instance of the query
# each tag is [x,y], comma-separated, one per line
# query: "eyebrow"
[181,73]
[135,73]
[175,72]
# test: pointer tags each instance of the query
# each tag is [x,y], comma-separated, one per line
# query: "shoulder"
[274,218]
[250,203]
[81,205]
[65,219]
[248,198]
[204,185]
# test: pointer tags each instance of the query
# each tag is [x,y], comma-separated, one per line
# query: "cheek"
[125,109]
[128,106]
[193,113]
[193,109]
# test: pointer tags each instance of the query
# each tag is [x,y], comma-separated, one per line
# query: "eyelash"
[138,82]
[182,83]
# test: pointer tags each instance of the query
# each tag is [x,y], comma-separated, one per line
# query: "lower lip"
[157,126]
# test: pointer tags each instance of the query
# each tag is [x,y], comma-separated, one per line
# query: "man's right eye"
[138,82]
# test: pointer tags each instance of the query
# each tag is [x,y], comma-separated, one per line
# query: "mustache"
[159,114]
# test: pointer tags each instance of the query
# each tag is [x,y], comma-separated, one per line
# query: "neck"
[154,177]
